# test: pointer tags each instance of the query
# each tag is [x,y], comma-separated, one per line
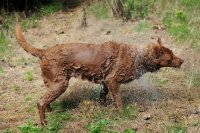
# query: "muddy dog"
[109,64]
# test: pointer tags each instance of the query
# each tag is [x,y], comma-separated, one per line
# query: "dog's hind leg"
[103,93]
[54,91]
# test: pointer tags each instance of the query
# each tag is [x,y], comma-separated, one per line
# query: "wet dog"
[109,64]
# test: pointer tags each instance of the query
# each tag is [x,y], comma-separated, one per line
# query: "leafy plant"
[180,14]
[56,122]
[99,127]
[129,130]
[29,75]
[30,128]
[53,126]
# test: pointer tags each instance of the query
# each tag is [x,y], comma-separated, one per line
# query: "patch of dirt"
[163,103]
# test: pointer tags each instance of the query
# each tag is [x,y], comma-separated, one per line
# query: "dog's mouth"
[178,67]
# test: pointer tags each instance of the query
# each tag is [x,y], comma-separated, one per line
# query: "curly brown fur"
[109,64]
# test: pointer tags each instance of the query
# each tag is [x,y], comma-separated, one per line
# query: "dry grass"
[164,96]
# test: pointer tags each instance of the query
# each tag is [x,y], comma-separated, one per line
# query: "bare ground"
[163,103]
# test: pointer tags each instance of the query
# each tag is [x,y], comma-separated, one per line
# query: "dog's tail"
[27,47]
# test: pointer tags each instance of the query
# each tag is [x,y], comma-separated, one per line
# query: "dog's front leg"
[113,88]
[103,93]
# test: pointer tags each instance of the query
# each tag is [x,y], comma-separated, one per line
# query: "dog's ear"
[159,42]
[158,48]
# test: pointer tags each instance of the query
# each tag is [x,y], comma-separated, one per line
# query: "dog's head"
[165,56]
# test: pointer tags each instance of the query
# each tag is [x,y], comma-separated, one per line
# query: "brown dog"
[109,64]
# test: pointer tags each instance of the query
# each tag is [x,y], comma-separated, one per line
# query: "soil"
[160,104]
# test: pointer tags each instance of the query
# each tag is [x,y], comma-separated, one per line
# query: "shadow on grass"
[135,94]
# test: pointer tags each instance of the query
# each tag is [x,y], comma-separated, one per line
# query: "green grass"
[3,43]
[55,123]
[99,9]
[130,112]
[1,70]
[137,9]
[53,7]
[182,20]
[177,128]
[29,76]
[192,79]
[15,87]
[30,128]
[7,131]
[28,99]
[31,108]
[142,26]
[159,80]
[21,61]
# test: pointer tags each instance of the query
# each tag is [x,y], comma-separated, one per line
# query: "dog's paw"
[44,123]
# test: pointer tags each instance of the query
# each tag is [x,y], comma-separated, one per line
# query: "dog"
[109,64]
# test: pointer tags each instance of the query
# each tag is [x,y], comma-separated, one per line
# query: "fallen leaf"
[127,30]
[11,117]
[85,102]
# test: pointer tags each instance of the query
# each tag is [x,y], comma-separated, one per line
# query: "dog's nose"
[182,61]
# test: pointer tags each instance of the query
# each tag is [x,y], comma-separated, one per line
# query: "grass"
[177,128]
[159,80]
[130,111]
[181,19]
[28,99]
[29,76]
[15,87]
[55,123]
[7,131]
[1,70]
[3,45]
[22,61]
[142,26]
[30,128]
[53,7]
[29,22]
[31,108]
[99,127]
[192,79]
[137,9]
[99,9]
